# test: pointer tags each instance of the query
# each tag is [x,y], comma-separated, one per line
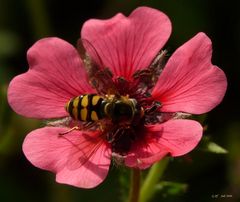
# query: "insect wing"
[100,77]
[159,62]
[148,77]
[90,57]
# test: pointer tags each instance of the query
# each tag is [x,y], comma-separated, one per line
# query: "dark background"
[23,22]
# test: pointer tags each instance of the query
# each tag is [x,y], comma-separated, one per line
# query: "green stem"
[148,188]
[135,185]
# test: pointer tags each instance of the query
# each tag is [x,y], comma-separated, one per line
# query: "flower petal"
[78,159]
[144,155]
[189,82]
[127,44]
[176,137]
[56,74]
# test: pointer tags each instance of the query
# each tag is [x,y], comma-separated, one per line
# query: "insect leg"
[70,130]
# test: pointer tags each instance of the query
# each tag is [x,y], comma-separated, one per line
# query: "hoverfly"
[92,107]
[116,114]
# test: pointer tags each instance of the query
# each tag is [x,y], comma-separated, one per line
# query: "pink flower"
[189,83]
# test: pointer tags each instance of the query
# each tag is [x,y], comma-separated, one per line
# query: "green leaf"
[210,146]
[215,148]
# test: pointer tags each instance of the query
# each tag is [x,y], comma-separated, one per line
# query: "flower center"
[131,109]
[121,107]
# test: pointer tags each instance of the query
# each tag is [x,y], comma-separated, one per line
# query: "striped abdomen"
[85,107]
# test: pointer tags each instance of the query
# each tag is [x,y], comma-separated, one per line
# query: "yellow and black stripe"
[86,107]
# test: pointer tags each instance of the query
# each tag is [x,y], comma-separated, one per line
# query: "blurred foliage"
[171,188]
[209,146]
[202,174]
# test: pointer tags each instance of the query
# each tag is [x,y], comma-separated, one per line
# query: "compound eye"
[122,111]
